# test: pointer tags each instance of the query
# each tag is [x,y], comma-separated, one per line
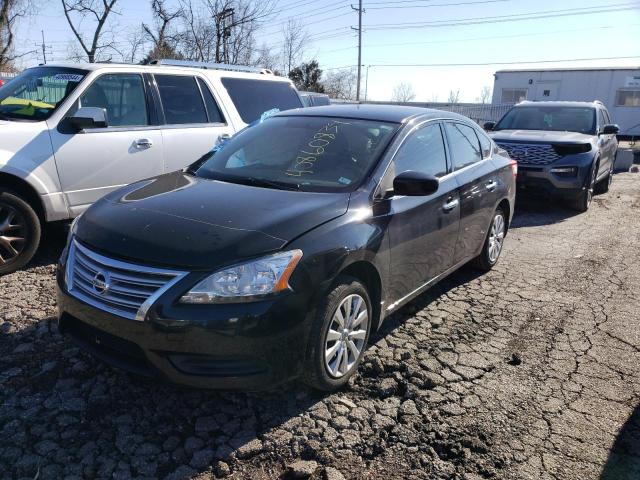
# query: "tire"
[20,232]
[322,369]
[603,185]
[493,243]
[583,202]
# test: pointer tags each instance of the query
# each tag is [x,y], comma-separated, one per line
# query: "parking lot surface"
[530,371]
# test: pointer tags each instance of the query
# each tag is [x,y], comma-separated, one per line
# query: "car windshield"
[561,119]
[301,153]
[36,93]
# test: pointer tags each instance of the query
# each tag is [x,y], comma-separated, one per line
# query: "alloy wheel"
[496,237]
[346,335]
[12,233]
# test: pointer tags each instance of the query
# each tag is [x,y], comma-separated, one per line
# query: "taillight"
[514,168]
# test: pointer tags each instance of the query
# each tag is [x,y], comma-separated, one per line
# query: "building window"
[628,98]
[514,95]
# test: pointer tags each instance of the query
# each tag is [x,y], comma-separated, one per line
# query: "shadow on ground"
[624,458]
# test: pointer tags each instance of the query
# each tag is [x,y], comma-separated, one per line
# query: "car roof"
[165,68]
[381,113]
[559,104]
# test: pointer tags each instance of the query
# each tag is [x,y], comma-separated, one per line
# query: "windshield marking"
[304,163]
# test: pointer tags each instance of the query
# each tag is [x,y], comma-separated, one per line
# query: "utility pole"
[359,30]
[44,48]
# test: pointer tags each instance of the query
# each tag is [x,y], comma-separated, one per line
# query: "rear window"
[254,97]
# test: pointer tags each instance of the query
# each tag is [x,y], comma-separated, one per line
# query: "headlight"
[246,282]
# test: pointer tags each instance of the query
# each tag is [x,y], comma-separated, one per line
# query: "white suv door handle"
[491,186]
[450,204]
[144,143]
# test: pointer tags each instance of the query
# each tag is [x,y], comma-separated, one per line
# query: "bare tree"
[403,92]
[453,96]
[136,41]
[485,94]
[341,84]
[10,13]
[222,30]
[294,40]
[265,58]
[98,11]
[160,35]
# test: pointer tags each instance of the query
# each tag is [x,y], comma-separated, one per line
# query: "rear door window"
[181,99]
[463,144]
[254,97]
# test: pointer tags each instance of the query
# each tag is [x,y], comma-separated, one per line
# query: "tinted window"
[464,145]
[254,97]
[213,112]
[562,119]
[306,153]
[181,99]
[37,92]
[122,95]
[606,116]
[423,151]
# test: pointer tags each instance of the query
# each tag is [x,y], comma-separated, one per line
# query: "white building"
[617,88]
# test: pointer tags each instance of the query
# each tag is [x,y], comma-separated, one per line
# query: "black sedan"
[277,255]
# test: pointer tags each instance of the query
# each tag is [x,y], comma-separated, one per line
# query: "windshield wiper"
[263,182]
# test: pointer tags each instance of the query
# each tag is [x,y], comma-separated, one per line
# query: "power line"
[503,18]
[439,4]
[521,62]
[493,37]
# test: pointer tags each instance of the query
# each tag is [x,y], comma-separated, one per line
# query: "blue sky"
[417,32]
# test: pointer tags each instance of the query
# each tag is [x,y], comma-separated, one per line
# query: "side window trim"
[202,83]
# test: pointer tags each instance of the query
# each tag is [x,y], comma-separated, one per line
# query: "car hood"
[540,136]
[181,221]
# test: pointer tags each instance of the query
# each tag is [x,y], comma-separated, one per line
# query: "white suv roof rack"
[211,66]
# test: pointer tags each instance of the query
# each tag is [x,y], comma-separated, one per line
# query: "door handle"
[491,186]
[450,204]
[223,137]
[144,143]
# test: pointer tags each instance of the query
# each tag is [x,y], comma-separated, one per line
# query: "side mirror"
[415,184]
[488,126]
[611,129]
[88,117]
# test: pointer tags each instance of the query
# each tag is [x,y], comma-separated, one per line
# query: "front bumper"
[542,180]
[253,346]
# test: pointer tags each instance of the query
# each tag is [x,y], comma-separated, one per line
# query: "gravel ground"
[528,372]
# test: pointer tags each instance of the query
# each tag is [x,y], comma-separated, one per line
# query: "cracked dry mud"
[528,372]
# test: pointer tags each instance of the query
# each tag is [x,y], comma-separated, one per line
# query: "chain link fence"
[478,112]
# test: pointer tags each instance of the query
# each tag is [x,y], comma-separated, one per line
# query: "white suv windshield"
[36,93]
[301,153]
[562,119]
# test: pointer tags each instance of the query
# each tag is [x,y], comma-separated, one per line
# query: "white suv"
[70,134]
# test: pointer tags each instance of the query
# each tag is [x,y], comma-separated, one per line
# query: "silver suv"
[563,149]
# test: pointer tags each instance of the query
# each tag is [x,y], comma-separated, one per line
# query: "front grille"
[530,153]
[117,287]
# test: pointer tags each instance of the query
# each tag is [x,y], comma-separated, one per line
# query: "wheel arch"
[25,190]
[368,274]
